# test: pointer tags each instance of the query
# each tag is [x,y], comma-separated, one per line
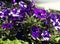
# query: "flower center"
[39,13]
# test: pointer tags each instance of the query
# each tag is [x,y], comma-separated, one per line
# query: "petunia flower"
[6,11]
[45,35]
[30,10]
[53,16]
[39,13]
[55,19]
[35,31]
[7,25]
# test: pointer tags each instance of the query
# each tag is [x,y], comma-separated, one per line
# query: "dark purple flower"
[35,31]
[53,16]
[56,24]
[6,11]
[45,35]
[29,10]
[23,7]
[19,18]
[14,12]
[17,14]
[7,25]
[55,19]
[39,13]
[26,8]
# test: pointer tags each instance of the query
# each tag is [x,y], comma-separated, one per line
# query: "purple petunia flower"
[35,31]
[6,11]
[53,16]
[26,8]
[45,35]
[55,19]
[14,12]
[30,10]
[7,25]
[17,14]
[39,13]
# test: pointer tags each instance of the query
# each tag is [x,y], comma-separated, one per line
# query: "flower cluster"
[35,32]
[12,15]
[13,18]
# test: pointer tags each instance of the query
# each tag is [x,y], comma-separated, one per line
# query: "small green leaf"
[57,39]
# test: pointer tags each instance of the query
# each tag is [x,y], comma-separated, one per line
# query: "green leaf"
[1,29]
[57,39]
[52,39]
[7,42]
[16,41]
